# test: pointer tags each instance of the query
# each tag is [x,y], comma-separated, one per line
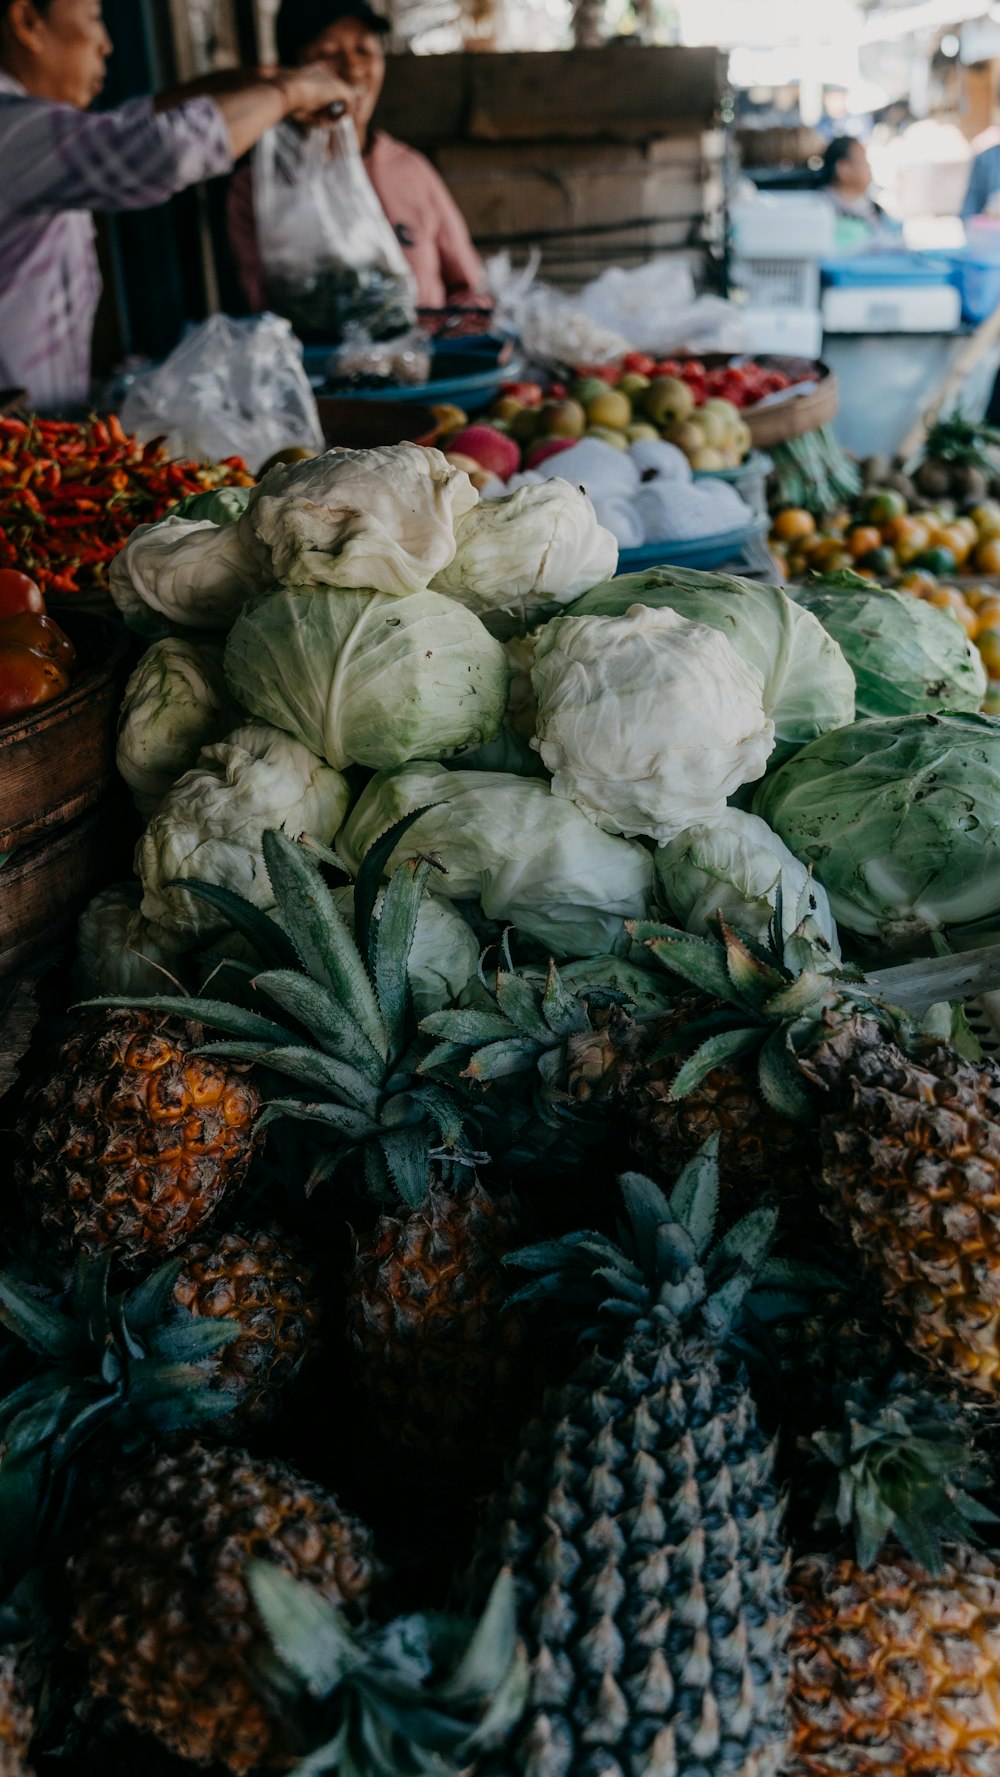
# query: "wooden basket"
[58,761]
[788,419]
[45,885]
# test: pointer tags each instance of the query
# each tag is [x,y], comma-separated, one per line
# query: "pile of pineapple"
[561,1388]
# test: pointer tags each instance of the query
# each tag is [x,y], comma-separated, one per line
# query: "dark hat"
[300,22]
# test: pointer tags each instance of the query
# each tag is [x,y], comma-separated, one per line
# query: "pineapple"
[438,1358]
[132,1141]
[102,1375]
[426,1693]
[263,1282]
[641,1519]
[895,1671]
[163,1609]
[17,1719]
[896,1651]
[427,1279]
[903,1127]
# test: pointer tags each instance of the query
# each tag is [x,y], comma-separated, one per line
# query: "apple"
[545,448]
[612,409]
[668,401]
[491,450]
[525,394]
[641,432]
[608,435]
[634,383]
[562,419]
[588,389]
[507,408]
[689,437]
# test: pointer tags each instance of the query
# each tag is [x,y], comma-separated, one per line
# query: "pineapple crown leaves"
[772,998]
[100,1365]
[904,1461]
[524,1026]
[665,1264]
[422,1695]
[347,1022]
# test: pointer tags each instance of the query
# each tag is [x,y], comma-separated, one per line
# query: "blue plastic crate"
[704,552]
[871,270]
[978,280]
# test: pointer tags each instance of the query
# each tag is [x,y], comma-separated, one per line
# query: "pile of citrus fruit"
[882,537]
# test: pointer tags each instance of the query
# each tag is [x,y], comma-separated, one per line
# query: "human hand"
[314,93]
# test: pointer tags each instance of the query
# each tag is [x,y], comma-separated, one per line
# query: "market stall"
[499,990]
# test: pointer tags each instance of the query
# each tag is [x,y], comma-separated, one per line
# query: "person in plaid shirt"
[60,162]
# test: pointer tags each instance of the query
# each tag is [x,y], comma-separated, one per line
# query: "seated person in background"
[982,197]
[846,178]
[348,36]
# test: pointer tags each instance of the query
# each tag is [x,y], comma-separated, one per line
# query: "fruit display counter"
[499,1267]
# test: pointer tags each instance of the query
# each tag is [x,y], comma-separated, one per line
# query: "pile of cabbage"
[360,637]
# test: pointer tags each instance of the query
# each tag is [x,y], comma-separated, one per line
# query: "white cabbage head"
[648,722]
[381,519]
[211,824]
[117,950]
[175,703]
[364,679]
[736,866]
[528,553]
[184,571]
[532,860]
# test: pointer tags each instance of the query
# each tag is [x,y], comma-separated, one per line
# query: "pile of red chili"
[70,496]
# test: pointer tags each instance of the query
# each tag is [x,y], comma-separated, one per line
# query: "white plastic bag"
[655,306]
[231,388]
[331,260]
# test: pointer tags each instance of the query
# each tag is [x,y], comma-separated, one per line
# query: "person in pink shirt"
[349,37]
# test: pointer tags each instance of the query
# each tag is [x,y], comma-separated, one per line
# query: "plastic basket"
[778,283]
[749,480]
[978,281]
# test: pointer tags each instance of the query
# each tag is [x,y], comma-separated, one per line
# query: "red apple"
[491,449]
[528,394]
[547,447]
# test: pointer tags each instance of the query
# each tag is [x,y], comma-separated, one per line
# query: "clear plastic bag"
[231,388]
[331,260]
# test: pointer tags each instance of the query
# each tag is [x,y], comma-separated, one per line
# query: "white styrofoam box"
[892,308]
[797,332]
[778,283]
[784,225]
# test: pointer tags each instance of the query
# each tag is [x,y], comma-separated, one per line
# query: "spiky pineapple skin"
[264,1282]
[761,1153]
[131,1142]
[911,1169]
[435,1355]
[162,1607]
[17,1720]
[643,1525]
[894,1671]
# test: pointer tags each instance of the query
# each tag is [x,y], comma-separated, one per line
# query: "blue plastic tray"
[707,552]
[868,270]
[470,374]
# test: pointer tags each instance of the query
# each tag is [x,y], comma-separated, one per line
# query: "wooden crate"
[620,92]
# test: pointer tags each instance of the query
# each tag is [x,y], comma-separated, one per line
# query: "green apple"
[608,435]
[641,432]
[610,408]
[561,419]
[633,383]
[668,401]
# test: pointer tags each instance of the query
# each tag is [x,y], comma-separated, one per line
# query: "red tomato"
[639,364]
[32,629]
[18,592]
[27,679]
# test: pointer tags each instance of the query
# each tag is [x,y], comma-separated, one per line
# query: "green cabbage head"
[907,656]
[366,679]
[808,685]
[220,505]
[736,866]
[900,819]
[530,858]
[175,703]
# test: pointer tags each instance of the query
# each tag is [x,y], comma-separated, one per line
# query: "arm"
[978,193]
[58,158]
[461,267]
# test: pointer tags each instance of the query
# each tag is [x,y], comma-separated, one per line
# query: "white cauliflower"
[382,520]
[211,823]
[648,722]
